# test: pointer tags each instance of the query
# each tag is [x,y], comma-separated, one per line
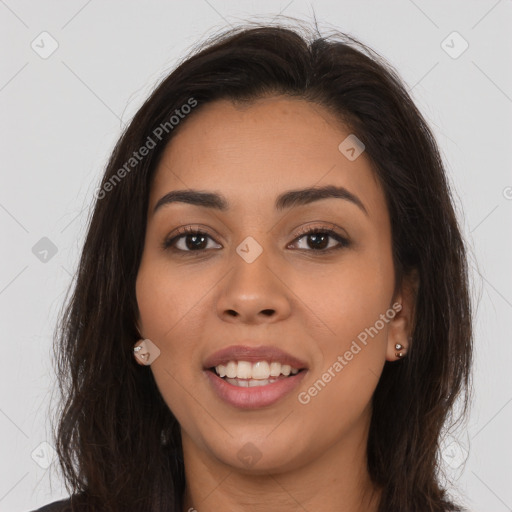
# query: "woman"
[271,309]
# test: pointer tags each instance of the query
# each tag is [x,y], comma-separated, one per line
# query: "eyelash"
[189,230]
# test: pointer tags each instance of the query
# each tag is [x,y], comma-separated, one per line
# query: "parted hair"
[118,444]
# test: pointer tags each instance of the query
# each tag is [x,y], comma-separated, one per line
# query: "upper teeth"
[259,370]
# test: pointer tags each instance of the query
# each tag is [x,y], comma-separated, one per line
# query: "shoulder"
[56,506]
[64,505]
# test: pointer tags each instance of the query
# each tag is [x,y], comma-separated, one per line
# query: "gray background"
[61,116]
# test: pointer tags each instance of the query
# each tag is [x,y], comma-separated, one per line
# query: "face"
[247,276]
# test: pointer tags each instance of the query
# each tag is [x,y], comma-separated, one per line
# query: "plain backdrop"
[62,112]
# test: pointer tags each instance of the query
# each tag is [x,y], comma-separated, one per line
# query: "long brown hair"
[118,443]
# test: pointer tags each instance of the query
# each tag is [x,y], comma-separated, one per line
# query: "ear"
[138,327]
[402,325]
[138,324]
[138,359]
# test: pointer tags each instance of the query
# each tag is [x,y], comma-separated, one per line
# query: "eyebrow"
[286,200]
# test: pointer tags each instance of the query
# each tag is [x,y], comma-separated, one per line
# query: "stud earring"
[146,351]
[399,347]
[144,356]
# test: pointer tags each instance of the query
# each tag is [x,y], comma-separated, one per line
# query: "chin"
[256,455]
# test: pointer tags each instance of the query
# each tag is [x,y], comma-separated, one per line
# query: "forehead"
[252,152]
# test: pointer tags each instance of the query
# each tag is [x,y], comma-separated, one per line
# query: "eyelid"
[311,226]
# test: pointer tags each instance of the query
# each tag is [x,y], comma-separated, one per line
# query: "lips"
[254,397]
[252,354]
[267,391]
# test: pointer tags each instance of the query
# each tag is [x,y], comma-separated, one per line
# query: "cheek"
[169,320]
[165,299]
[349,306]
[347,298]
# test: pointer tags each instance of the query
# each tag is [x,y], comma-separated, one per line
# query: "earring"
[142,352]
[146,351]
[399,347]
[144,356]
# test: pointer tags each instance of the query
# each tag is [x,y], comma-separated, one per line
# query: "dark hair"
[118,443]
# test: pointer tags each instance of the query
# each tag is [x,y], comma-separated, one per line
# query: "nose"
[254,292]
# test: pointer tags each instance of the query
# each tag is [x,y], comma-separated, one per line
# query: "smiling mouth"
[247,374]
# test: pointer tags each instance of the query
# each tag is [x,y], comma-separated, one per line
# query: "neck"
[336,480]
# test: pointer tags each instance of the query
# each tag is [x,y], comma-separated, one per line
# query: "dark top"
[57,506]
[79,505]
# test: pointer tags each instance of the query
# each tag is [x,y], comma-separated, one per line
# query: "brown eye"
[317,239]
[188,240]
